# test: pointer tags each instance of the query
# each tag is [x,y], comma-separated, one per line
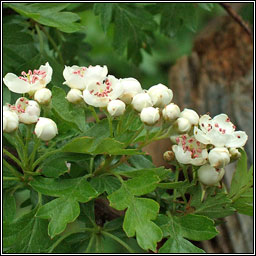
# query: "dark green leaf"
[206,6]
[140,211]
[9,207]
[244,204]
[27,234]
[105,12]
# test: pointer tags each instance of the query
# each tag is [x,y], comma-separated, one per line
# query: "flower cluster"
[28,111]
[210,143]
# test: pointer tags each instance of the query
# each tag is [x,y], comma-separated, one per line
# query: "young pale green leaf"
[61,211]
[140,211]
[242,179]
[78,189]
[9,207]
[105,183]
[244,204]
[179,245]
[206,6]
[66,111]
[216,205]
[27,234]
[105,12]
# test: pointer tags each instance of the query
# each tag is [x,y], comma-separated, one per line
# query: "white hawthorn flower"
[150,115]
[219,132]
[46,129]
[116,108]
[190,151]
[191,115]
[28,110]
[75,77]
[10,120]
[209,175]
[183,125]
[43,96]
[160,95]
[171,112]
[99,93]
[141,100]
[131,88]
[29,82]
[219,157]
[74,96]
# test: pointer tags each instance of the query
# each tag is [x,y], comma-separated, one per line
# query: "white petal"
[15,84]
[48,69]
[237,140]
[204,121]
[94,100]
[218,139]
[200,136]
[181,156]
[224,122]
[117,87]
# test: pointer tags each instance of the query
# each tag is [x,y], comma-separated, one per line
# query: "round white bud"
[74,96]
[150,115]
[131,88]
[46,129]
[183,125]
[141,101]
[209,175]
[10,121]
[219,157]
[160,95]
[116,108]
[191,115]
[43,96]
[171,112]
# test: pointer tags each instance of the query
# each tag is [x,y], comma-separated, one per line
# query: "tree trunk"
[218,78]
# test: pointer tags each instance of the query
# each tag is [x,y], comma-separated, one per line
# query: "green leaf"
[172,185]
[61,211]
[179,245]
[141,162]
[105,12]
[9,207]
[216,205]
[206,6]
[27,234]
[140,211]
[242,179]
[244,204]
[105,183]
[6,95]
[66,111]
[89,145]
[79,189]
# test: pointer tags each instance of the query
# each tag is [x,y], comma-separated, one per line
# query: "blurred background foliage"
[140,40]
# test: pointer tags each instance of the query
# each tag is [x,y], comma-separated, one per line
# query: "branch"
[237,18]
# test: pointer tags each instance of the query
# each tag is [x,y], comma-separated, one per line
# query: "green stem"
[92,109]
[109,117]
[53,44]
[91,165]
[39,202]
[15,173]
[11,178]
[185,172]
[33,153]
[134,136]
[27,139]
[125,245]
[16,160]
[65,236]
[20,147]
[47,154]
[90,243]
[41,41]
[175,191]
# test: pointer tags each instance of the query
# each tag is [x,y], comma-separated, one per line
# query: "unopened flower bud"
[74,96]
[131,88]
[171,112]
[160,95]
[219,157]
[169,156]
[183,125]
[141,101]
[46,129]
[150,115]
[209,175]
[10,121]
[43,96]
[191,115]
[116,108]
[234,153]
